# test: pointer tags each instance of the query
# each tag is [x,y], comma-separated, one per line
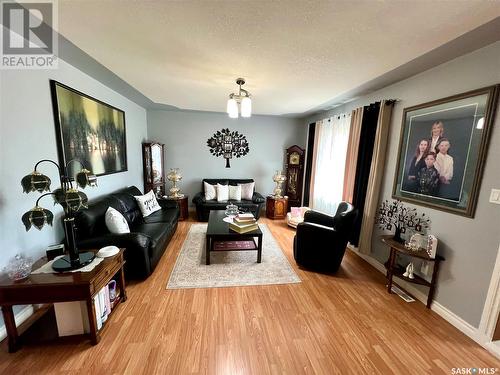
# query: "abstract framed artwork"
[442,151]
[88,130]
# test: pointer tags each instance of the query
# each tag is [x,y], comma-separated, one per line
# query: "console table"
[60,287]
[393,270]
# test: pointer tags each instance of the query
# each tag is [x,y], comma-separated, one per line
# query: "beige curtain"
[352,154]
[313,164]
[376,174]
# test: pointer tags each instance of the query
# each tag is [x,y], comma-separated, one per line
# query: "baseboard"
[20,317]
[439,309]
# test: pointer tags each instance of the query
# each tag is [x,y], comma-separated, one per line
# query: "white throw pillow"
[147,203]
[222,193]
[210,191]
[235,192]
[247,190]
[115,222]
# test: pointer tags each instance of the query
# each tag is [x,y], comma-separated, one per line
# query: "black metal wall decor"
[227,144]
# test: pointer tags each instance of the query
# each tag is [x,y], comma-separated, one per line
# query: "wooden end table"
[399,248]
[276,208]
[183,206]
[60,287]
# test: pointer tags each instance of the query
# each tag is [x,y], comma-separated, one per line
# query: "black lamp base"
[64,264]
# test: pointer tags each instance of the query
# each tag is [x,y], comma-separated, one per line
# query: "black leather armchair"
[321,239]
[148,237]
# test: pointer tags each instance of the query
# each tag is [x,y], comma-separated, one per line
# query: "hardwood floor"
[328,324]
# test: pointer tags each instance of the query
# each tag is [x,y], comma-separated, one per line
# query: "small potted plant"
[400,217]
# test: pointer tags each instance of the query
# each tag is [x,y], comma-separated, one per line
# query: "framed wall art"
[442,151]
[89,130]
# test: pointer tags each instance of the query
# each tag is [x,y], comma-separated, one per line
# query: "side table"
[60,287]
[276,208]
[393,270]
[183,206]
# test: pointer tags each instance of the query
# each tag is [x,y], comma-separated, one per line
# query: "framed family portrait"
[89,131]
[442,151]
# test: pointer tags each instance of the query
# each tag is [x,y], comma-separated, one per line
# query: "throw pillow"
[210,191]
[115,222]
[147,203]
[247,190]
[222,193]
[296,211]
[235,192]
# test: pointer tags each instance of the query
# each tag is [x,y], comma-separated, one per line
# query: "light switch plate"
[495,196]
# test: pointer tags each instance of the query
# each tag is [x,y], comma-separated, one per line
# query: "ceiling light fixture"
[242,99]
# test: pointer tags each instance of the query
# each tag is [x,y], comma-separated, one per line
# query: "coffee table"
[218,230]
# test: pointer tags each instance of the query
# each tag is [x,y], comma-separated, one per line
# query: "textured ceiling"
[295,55]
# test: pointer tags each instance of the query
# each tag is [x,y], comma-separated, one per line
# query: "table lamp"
[70,199]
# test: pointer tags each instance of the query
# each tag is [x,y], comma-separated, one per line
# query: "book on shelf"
[243,228]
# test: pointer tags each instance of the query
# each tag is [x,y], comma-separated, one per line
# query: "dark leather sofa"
[148,237]
[203,206]
[321,239]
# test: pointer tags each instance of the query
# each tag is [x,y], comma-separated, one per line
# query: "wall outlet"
[495,196]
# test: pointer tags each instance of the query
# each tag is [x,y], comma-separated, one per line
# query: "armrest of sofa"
[167,203]
[199,198]
[258,198]
[318,218]
[127,240]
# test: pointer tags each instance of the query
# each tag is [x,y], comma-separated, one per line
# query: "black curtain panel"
[308,171]
[365,153]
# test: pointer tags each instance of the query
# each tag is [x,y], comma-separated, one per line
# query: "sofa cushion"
[91,222]
[222,193]
[147,203]
[129,207]
[156,231]
[235,192]
[247,190]
[210,191]
[168,216]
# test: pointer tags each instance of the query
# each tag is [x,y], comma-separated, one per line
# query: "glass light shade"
[35,182]
[85,177]
[246,107]
[232,108]
[37,217]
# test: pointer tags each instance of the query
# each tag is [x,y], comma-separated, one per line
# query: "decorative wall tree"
[400,217]
[227,144]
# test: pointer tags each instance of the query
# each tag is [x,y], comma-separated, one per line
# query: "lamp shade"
[35,182]
[86,178]
[71,200]
[246,107]
[37,217]
[232,108]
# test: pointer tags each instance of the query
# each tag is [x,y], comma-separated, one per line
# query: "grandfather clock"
[154,170]
[294,175]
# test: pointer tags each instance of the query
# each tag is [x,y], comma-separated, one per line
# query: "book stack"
[103,305]
[244,223]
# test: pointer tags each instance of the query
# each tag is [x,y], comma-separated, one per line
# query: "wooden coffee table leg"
[10,327]
[259,249]
[207,251]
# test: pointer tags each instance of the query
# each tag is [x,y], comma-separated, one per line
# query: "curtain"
[329,167]
[309,162]
[376,174]
[363,165]
[352,154]
[314,160]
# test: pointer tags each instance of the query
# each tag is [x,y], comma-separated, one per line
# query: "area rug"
[229,268]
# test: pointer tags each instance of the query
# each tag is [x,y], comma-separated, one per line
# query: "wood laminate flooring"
[328,324]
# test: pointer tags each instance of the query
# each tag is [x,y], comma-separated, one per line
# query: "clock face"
[294,158]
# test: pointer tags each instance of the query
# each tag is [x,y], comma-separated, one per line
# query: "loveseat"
[148,237]
[204,206]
